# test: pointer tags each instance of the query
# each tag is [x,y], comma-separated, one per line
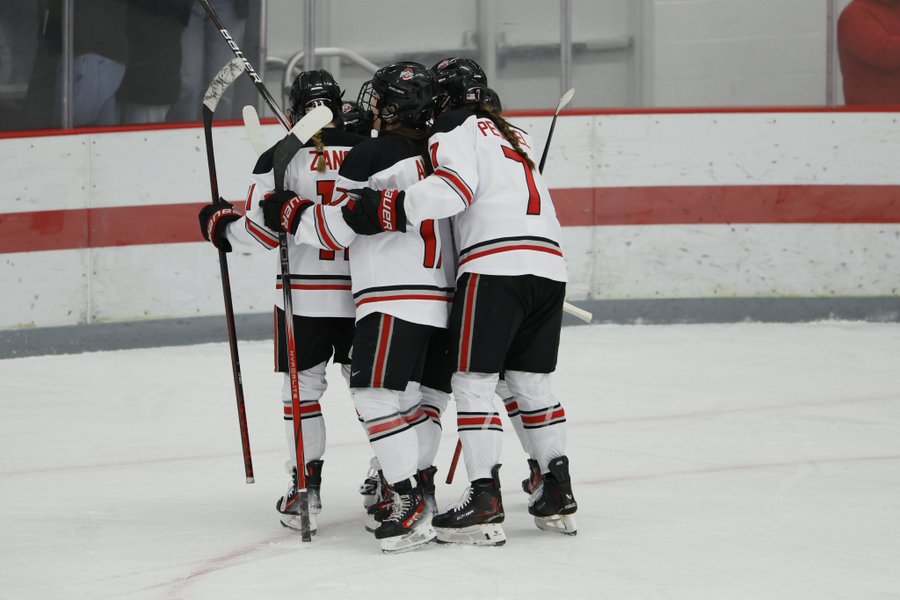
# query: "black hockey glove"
[374,211]
[282,210]
[213,219]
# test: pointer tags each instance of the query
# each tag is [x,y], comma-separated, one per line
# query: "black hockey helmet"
[492,100]
[403,92]
[312,89]
[356,120]
[461,82]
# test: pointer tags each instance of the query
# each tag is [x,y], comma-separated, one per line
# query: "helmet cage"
[400,93]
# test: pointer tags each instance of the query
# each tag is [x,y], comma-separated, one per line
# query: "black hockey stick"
[254,76]
[226,76]
[300,481]
[573,310]
[566,98]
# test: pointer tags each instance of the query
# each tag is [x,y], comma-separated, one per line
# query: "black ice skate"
[405,528]
[425,477]
[553,503]
[534,477]
[289,504]
[476,519]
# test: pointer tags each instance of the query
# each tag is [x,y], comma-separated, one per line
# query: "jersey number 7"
[534,197]
[325,191]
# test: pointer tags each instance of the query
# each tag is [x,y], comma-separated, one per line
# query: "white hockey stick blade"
[564,101]
[577,312]
[312,122]
[231,71]
[254,129]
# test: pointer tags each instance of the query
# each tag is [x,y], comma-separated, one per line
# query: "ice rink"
[709,461]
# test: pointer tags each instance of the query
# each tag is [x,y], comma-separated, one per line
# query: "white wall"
[680,53]
[600,152]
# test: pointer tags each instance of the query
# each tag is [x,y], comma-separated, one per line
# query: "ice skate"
[405,528]
[371,488]
[289,504]
[534,477]
[476,519]
[381,510]
[553,504]
[425,477]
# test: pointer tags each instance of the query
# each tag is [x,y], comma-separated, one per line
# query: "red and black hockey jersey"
[504,219]
[319,279]
[400,274]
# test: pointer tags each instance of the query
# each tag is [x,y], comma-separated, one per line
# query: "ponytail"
[320,152]
[506,131]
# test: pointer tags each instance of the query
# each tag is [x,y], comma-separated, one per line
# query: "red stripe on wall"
[99,227]
[663,205]
[672,205]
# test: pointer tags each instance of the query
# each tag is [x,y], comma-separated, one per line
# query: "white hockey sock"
[543,418]
[433,403]
[312,385]
[515,417]
[479,425]
[394,442]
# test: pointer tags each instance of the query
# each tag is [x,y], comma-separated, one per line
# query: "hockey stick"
[226,76]
[305,128]
[566,98]
[452,470]
[254,129]
[579,313]
[300,482]
[563,102]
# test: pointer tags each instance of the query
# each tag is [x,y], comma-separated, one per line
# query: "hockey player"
[507,311]
[319,280]
[401,293]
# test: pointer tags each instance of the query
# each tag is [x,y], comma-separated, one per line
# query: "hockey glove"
[213,219]
[375,211]
[282,210]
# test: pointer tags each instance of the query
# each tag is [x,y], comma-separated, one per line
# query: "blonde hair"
[320,152]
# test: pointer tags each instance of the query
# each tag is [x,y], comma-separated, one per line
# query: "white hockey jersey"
[400,274]
[504,219]
[319,279]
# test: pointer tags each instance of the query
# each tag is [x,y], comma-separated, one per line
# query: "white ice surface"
[709,462]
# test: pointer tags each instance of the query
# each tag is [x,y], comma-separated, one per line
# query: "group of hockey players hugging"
[425,260]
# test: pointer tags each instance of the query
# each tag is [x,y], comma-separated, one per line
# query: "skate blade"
[420,535]
[564,524]
[293,522]
[488,534]
[371,524]
[369,500]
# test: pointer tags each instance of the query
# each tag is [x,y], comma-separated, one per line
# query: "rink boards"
[755,206]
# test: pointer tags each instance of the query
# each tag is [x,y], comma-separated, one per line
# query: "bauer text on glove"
[282,210]
[375,211]
[213,219]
